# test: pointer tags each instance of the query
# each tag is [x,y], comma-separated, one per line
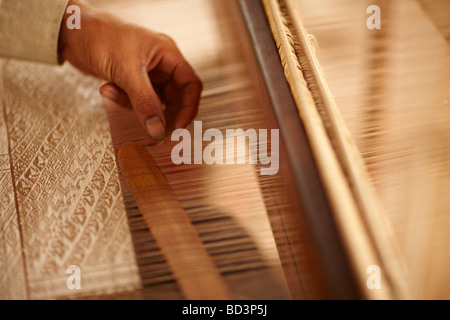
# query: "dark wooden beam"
[329,275]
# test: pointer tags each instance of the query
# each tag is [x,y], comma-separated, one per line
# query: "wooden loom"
[328,210]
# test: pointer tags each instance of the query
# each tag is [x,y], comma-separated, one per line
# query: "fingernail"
[155,128]
[110,94]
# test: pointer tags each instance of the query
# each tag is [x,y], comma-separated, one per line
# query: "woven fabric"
[61,201]
[12,274]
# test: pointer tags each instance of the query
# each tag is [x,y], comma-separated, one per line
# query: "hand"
[144,69]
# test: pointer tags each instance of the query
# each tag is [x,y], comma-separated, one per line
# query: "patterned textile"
[61,201]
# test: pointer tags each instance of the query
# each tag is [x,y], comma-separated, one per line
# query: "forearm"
[91,41]
[69,34]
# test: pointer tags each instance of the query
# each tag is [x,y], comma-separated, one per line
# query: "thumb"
[146,104]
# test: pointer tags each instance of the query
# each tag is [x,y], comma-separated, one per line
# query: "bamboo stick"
[334,151]
[194,270]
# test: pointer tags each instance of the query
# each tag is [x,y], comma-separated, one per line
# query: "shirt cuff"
[29,29]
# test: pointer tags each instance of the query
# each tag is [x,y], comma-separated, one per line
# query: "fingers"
[146,104]
[114,93]
[190,89]
[188,83]
[143,90]
[190,100]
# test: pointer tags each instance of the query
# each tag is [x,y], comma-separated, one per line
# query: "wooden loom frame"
[331,192]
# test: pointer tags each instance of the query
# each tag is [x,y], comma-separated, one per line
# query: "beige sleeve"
[29,29]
